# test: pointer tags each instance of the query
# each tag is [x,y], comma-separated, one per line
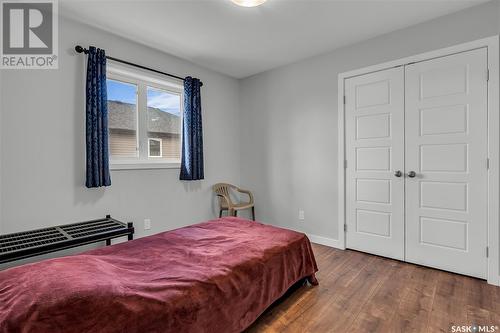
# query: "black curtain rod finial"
[80,49]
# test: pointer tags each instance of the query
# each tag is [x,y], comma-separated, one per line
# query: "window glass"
[164,121]
[155,148]
[122,119]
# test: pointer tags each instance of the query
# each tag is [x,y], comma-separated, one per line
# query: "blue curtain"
[97,120]
[192,134]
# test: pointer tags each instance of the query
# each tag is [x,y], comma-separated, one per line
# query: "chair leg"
[220,213]
[235,213]
[253,213]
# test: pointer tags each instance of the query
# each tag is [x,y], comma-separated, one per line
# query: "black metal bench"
[32,243]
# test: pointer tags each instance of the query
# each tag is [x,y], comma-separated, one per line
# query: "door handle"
[412,174]
[398,173]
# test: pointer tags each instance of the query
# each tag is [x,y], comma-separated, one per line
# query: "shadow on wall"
[191,186]
[257,158]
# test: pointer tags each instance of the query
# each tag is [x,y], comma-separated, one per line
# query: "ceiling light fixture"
[249,3]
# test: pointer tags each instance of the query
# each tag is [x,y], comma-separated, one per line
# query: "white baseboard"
[494,281]
[325,241]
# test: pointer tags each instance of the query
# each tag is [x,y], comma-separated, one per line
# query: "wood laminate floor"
[359,292]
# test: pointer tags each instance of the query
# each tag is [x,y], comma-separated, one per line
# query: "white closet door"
[374,151]
[446,146]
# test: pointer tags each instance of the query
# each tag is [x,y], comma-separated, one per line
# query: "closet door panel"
[446,147]
[374,151]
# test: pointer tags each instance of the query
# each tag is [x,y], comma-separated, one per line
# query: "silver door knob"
[398,173]
[412,174]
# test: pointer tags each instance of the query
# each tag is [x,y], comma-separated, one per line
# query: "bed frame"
[32,243]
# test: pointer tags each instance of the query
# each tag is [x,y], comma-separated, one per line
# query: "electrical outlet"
[147,224]
[301,214]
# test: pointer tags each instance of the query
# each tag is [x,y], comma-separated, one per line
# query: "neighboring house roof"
[122,116]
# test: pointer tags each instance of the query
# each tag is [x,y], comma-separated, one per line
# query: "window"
[155,148]
[145,119]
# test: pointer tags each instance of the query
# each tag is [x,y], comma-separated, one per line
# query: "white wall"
[43,145]
[284,121]
[289,119]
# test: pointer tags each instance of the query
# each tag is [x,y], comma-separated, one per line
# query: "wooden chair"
[223,191]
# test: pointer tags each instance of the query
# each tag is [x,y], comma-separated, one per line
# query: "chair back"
[223,192]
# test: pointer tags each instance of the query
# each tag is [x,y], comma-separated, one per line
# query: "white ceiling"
[241,41]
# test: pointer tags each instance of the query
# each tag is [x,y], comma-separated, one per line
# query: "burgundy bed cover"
[216,276]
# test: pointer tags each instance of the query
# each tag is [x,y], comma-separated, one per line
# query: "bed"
[216,276]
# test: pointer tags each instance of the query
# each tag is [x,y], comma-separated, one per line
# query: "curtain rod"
[80,49]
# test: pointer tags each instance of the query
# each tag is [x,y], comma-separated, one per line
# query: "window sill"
[147,165]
